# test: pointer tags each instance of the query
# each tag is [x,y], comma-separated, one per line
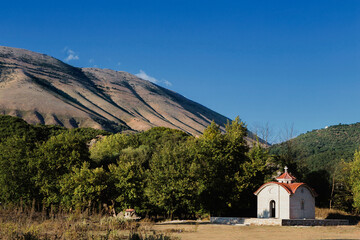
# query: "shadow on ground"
[353,220]
[184,223]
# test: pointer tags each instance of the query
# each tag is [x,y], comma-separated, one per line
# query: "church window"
[272,209]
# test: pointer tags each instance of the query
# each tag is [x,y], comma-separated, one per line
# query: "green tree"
[128,176]
[158,136]
[53,159]
[220,157]
[15,175]
[355,180]
[258,168]
[83,187]
[341,189]
[173,186]
[108,149]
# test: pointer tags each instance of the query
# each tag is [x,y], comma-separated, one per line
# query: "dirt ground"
[188,231]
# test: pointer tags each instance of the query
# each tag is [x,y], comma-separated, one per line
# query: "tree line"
[159,172]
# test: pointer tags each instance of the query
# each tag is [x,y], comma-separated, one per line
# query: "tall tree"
[129,176]
[355,180]
[15,174]
[55,158]
[83,187]
[173,185]
[221,157]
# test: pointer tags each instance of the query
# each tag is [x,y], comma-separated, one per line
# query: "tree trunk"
[332,191]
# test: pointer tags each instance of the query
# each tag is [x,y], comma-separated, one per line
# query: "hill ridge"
[322,148]
[43,89]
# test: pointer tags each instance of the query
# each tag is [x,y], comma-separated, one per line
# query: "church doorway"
[272,208]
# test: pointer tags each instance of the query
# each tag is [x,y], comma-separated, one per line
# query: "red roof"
[130,210]
[289,187]
[286,175]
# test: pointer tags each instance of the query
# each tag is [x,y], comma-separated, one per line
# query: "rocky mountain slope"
[42,89]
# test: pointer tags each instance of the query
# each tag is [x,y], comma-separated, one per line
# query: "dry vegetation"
[20,223]
[234,232]
[30,225]
[325,213]
[204,230]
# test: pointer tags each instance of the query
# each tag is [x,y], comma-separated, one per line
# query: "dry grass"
[326,213]
[323,213]
[30,225]
[231,232]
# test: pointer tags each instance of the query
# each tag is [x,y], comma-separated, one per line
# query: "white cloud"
[144,76]
[91,60]
[71,55]
[167,83]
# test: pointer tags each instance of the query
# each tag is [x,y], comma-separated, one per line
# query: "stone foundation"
[314,222]
[278,222]
[246,221]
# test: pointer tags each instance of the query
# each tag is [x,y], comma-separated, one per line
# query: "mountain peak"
[42,89]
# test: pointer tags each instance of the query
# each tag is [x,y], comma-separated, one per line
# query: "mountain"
[42,89]
[323,148]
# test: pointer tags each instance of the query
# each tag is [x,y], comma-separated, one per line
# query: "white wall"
[279,195]
[302,193]
[285,204]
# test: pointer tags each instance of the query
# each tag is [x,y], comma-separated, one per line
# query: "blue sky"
[278,62]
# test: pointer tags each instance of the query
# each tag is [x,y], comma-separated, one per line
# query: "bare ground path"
[191,231]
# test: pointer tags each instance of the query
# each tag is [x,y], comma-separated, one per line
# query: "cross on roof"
[286,177]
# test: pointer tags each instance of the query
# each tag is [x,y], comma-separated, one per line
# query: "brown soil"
[224,232]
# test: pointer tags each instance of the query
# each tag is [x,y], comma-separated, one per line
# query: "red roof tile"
[289,187]
[286,175]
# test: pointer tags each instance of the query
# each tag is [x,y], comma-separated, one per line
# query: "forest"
[326,160]
[161,172]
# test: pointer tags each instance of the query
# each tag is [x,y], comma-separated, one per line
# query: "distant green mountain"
[322,149]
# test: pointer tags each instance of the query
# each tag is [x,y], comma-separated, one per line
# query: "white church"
[285,199]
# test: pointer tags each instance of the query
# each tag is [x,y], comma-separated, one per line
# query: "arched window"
[272,208]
